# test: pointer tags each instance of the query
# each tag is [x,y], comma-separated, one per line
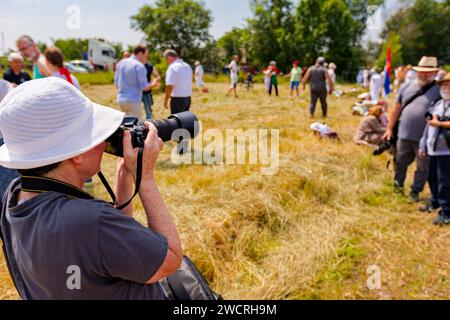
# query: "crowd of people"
[416,131]
[53,134]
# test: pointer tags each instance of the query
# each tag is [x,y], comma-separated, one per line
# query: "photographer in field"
[62,243]
[436,144]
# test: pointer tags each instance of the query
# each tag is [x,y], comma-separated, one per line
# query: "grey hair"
[25,38]
[170,53]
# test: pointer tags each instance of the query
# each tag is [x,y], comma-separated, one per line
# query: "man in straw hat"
[436,144]
[413,101]
[63,244]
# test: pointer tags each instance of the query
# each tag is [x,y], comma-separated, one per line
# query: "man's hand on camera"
[388,135]
[152,147]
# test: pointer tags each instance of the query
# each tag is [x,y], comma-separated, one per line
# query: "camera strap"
[44,184]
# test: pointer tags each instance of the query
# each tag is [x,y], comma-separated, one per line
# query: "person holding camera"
[436,144]
[59,242]
[414,99]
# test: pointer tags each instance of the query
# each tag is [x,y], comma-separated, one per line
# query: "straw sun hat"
[427,64]
[46,121]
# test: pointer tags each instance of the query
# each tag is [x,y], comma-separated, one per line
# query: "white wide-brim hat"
[47,121]
[5,88]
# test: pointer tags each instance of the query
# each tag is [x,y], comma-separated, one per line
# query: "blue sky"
[46,19]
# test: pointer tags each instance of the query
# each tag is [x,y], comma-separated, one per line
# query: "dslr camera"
[184,120]
[430,117]
[385,146]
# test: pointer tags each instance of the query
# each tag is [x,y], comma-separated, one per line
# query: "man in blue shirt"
[131,80]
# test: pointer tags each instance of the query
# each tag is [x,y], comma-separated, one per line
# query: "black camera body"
[430,117]
[382,148]
[184,120]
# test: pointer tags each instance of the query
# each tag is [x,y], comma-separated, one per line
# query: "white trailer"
[101,55]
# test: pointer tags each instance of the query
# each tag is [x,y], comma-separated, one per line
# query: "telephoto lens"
[184,120]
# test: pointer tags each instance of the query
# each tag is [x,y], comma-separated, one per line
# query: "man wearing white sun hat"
[53,132]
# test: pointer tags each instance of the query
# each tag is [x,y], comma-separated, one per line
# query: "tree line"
[283,31]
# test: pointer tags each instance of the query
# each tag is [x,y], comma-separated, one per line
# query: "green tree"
[271,33]
[182,25]
[331,28]
[234,42]
[393,42]
[72,49]
[423,29]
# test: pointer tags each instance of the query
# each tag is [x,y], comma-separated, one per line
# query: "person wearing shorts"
[296,77]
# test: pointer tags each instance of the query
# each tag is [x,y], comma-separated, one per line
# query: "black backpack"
[188,284]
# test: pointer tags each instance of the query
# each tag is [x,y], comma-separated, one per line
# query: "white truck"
[101,55]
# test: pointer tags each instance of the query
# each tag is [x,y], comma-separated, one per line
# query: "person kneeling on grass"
[370,130]
[436,144]
[52,239]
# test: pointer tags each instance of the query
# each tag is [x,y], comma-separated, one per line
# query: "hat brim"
[425,69]
[439,82]
[102,124]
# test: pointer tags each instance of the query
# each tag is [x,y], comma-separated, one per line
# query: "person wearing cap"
[28,49]
[296,77]
[178,83]
[234,75]
[6,175]
[131,81]
[435,143]
[318,77]
[50,237]
[15,73]
[412,124]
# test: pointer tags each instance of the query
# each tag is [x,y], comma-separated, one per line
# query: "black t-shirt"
[18,79]
[52,236]
[149,68]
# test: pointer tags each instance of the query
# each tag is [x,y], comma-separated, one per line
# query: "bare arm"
[393,118]
[306,79]
[156,75]
[330,82]
[42,67]
[158,217]
[124,187]
[169,90]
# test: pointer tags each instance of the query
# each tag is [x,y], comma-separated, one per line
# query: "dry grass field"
[309,232]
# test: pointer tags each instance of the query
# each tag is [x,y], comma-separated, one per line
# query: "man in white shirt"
[178,83]
[234,75]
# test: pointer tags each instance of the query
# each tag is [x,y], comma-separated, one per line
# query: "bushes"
[95,78]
